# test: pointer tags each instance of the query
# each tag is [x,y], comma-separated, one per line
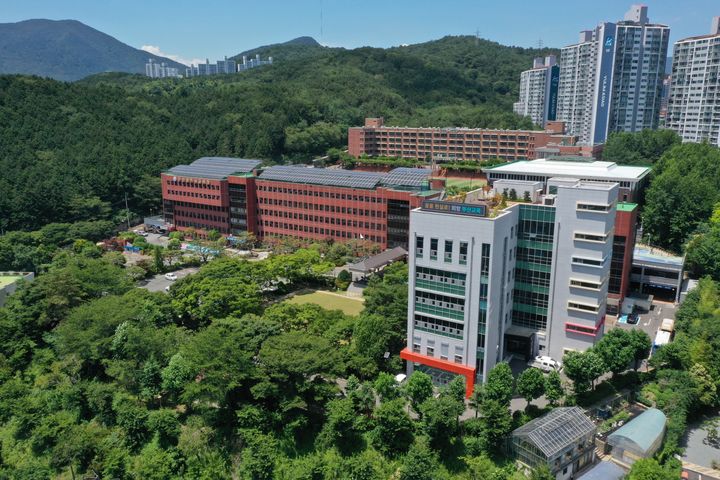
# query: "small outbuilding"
[563,439]
[376,263]
[604,471]
[640,438]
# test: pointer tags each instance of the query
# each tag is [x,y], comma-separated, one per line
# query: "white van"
[546,364]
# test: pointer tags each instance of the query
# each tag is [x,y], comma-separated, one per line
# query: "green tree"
[531,384]
[258,456]
[496,422]
[456,389]
[393,431]
[420,463]
[650,469]
[477,397]
[418,388]
[639,148]
[440,420]
[158,261]
[583,368]
[341,429]
[386,386]
[541,473]
[482,468]
[616,350]
[553,388]
[500,384]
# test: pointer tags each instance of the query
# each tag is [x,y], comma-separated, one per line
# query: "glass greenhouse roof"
[555,431]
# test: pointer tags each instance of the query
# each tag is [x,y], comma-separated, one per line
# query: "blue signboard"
[553,93]
[455,208]
[604,85]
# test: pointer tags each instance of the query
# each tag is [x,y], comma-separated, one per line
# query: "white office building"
[694,105]
[529,279]
[611,80]
[538,91]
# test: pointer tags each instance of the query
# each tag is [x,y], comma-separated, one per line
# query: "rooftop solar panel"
[322,176]
[407,177]
[215,168]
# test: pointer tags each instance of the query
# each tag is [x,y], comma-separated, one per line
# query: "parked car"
[171,276]
[546,364]
[633,319]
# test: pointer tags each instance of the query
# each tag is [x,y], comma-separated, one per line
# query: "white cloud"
[155,50]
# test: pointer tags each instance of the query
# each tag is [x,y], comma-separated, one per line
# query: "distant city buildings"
[694,103]
[462,144]
[225,66]
[538,91]
[611,80]
[154,69]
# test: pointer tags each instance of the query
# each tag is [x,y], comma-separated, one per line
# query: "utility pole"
[127,211]
[477,37]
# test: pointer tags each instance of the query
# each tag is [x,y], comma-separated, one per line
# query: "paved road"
[159,282]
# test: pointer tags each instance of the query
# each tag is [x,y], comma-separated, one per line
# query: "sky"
[192,30]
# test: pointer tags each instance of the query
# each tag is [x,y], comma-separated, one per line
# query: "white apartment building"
[529,279]
[538,91]
[611,81]
[694,105]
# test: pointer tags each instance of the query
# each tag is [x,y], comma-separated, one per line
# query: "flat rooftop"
[215,168]
[334,177]
[645,253]
[572,168]
[6,280]
[626,206]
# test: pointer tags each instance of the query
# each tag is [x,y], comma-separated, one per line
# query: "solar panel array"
[406,177]
[556,430]
[322,176]
[215,168]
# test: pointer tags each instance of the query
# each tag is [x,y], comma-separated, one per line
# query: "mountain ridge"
[67,50]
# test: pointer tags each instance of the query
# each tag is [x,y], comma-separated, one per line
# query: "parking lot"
[159,282]
[648,322]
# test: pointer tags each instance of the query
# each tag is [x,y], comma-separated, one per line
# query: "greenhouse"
[640,438]
[563,439]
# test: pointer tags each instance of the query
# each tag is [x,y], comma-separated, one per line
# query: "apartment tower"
[694,104]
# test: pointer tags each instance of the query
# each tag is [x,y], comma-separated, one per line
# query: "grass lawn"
[465,182]
[331,301]
[8,279]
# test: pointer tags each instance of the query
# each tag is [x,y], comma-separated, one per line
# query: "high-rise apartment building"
[538,91]
[486,281]
[159,70]
[694,103]
[611,81]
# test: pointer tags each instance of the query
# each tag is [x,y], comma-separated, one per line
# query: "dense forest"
[74,151]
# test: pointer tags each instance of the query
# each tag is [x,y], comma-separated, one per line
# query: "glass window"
[433,248]
[448,251]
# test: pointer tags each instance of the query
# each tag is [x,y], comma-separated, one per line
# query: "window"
[590,262]
[430,351]
[586,284]
[593,207]
[448,251]
[419,243]
[416,347]
[458,358]
[581,329]
[433,248]
[583,307]
[591,237]
[463,253]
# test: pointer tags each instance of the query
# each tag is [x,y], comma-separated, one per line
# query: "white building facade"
[694,105]
[529,279]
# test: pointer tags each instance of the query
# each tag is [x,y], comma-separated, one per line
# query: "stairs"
[599,455]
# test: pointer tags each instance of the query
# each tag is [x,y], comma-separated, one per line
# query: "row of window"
[594,207]
[589,262]
[201,226]
[322,208]
[185,183]
[444,349]
[322,231]
[447,252]
[321,194]
[183,193]
[201,206]
[583,307]
[441,327]
[591,237]
[327,220]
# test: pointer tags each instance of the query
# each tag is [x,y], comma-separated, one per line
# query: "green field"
[465,182]
[8,279]
[331,301]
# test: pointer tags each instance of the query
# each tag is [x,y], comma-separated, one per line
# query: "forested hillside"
[72,151]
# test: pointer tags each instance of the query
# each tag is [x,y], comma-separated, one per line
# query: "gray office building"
[487,280]
[611,80]
[693,109]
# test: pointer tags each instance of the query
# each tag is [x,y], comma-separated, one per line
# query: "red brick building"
[622,256]
[232,196]
[444,144]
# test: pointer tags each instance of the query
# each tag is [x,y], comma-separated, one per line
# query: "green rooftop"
[6,280]
[626,206]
